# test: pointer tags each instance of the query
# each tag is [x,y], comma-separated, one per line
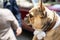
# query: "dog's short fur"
[37,20]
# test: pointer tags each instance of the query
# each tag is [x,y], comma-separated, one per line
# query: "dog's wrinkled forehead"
[38,11]
[33,10]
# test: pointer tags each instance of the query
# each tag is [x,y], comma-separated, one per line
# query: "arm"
[15,24]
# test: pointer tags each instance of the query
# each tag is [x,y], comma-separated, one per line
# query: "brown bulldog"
[45,22]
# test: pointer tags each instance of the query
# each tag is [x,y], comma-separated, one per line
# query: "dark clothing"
[11,4]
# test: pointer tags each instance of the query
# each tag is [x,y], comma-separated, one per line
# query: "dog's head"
[39,16]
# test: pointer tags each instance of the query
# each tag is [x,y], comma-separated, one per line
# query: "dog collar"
[51,25]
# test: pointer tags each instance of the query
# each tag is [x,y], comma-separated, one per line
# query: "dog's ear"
[41,8]
[41,5]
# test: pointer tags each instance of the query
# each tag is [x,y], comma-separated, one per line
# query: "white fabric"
[24,3]
[9,35]
[1,3]
[36,32]
[40,34]
[18,2]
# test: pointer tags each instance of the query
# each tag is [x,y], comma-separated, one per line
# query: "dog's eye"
[30,15]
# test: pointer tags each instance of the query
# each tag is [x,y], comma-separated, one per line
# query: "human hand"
[18,31]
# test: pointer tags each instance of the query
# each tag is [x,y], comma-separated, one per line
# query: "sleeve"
[14,22]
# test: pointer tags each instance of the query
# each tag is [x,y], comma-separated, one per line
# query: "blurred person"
[7,22]
[12,5]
